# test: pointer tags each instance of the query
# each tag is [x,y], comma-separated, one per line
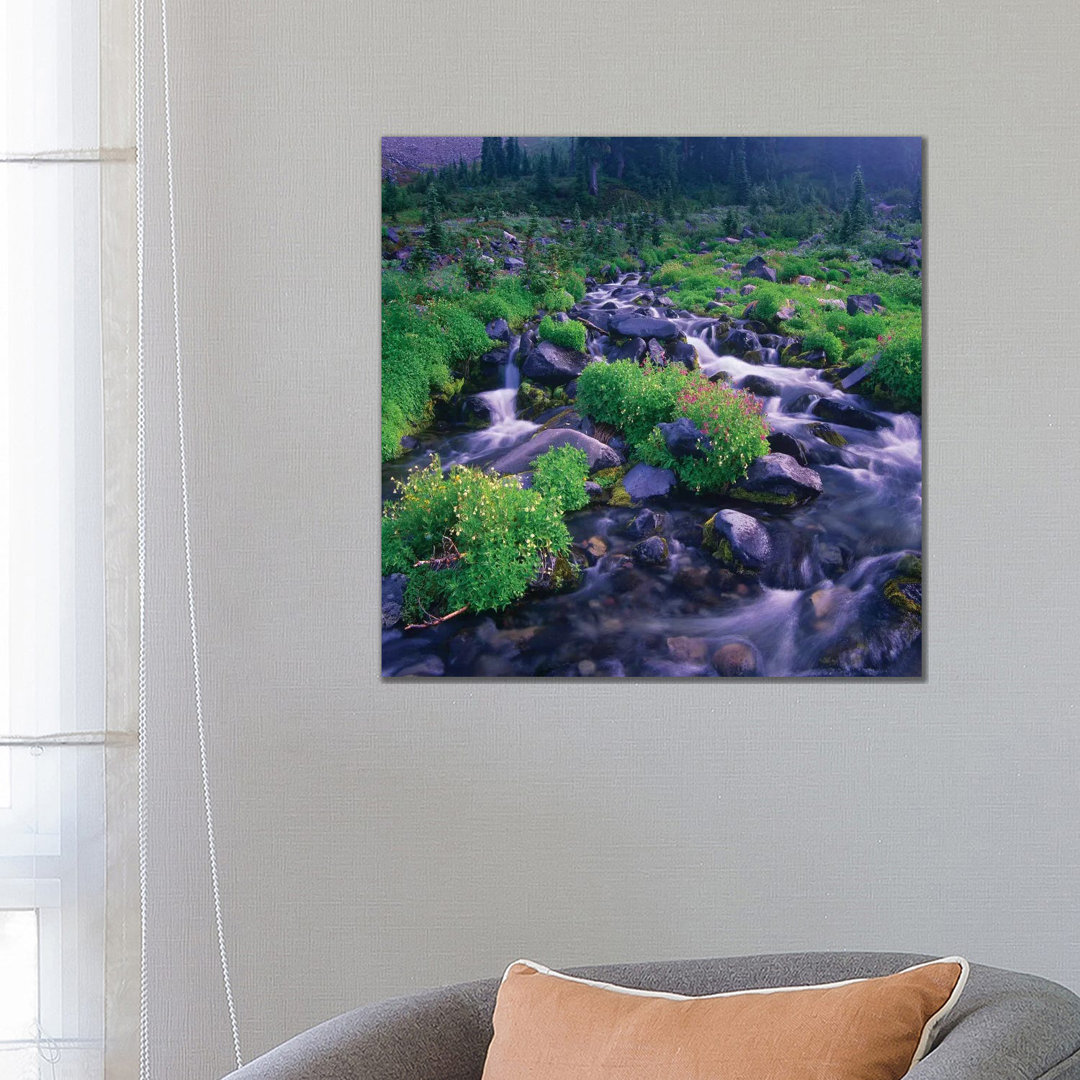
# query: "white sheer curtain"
[52,577]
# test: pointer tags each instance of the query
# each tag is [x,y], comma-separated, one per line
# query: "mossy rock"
[607,478]
[620,496]
[830,435]
[554,421]
[905,594]
[532,400]
[720,547]
[910,566]
[763,498]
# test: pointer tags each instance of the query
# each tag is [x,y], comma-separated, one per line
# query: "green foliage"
[769,299]
[822,339]
[899,370]
[853,327]
[793,266]
[479,273]
[574,284]
[556,300]
[733,422]
[421,350]
[897,290]
[480,537]
[560,474]
[508,299]
[632,398]
[568,335]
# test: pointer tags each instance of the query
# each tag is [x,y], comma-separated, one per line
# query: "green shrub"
[568,335]
[479,538]
[574,284]
[508,299]
[631,398]
[793,266]
[464,336]
[898,373]
[822,339]
[897,290]
[556,300]
[560,474]
[769,299]
[733,421]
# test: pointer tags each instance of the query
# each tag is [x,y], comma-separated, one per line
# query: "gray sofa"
[1006,1026]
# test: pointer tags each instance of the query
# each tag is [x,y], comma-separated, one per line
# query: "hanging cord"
[207,803]
[140,469]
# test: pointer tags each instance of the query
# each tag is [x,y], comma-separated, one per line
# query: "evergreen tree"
[434,233]
[488,167]
[513,157]
[542,181]
[499,152]
[858,214]
[731,223]
[916,200]
[391,198]
[740,181]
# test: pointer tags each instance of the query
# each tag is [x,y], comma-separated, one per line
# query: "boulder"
[787,311]
[684,439]
[633,324]
[647,482]
[864,303]
[682,352]
[650,552]
[738,341]
[393,596]
[551,365]
[842,412]
[760,385]
[511,263]
[738,540]
[521,457]
[804,279]
[780,442]
[656,352]
[746,290]
[761,356]
[498,330]
[634,349]
[778,480]
[757,267]
[647,523]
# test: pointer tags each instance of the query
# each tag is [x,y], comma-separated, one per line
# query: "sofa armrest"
[441,1034]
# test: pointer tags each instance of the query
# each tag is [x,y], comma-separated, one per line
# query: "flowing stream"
[818,609]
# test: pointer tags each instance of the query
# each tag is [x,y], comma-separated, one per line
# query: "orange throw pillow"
[550,1026]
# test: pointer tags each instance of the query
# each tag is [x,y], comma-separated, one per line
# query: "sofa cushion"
[551,1026]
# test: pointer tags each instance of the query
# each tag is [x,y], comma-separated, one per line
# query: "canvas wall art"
[651,407]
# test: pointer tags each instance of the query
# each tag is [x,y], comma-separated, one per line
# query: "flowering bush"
[636,399]
[733,423]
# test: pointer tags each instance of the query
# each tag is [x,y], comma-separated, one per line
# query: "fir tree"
[916,200]
[858,216]
[434,233]
[731,223]
[391,198]
[741,179]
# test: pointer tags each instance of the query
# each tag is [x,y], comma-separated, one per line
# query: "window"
[52,878]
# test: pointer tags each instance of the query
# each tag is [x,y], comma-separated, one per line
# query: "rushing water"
[818,610]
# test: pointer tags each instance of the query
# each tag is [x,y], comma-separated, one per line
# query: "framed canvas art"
[651,407]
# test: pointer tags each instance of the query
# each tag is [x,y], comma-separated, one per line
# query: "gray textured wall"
[375,838]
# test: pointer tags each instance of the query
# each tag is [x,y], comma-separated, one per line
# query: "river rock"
[634,349]
[425,668]
[782,443]
[633,324]
[736,659]
[864,303]
[682,352]
[520,458]
[393,596]
[842,412]
[498,330]
[861,372]
[683,439]
[757,267]
[688,650]
[647,482]
[738,540]
[652,551]
[551,365]
[760,385]
[739,341]
[656,353]
[778,479]
[646,523]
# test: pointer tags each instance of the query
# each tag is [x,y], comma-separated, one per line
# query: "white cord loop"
[140,198]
